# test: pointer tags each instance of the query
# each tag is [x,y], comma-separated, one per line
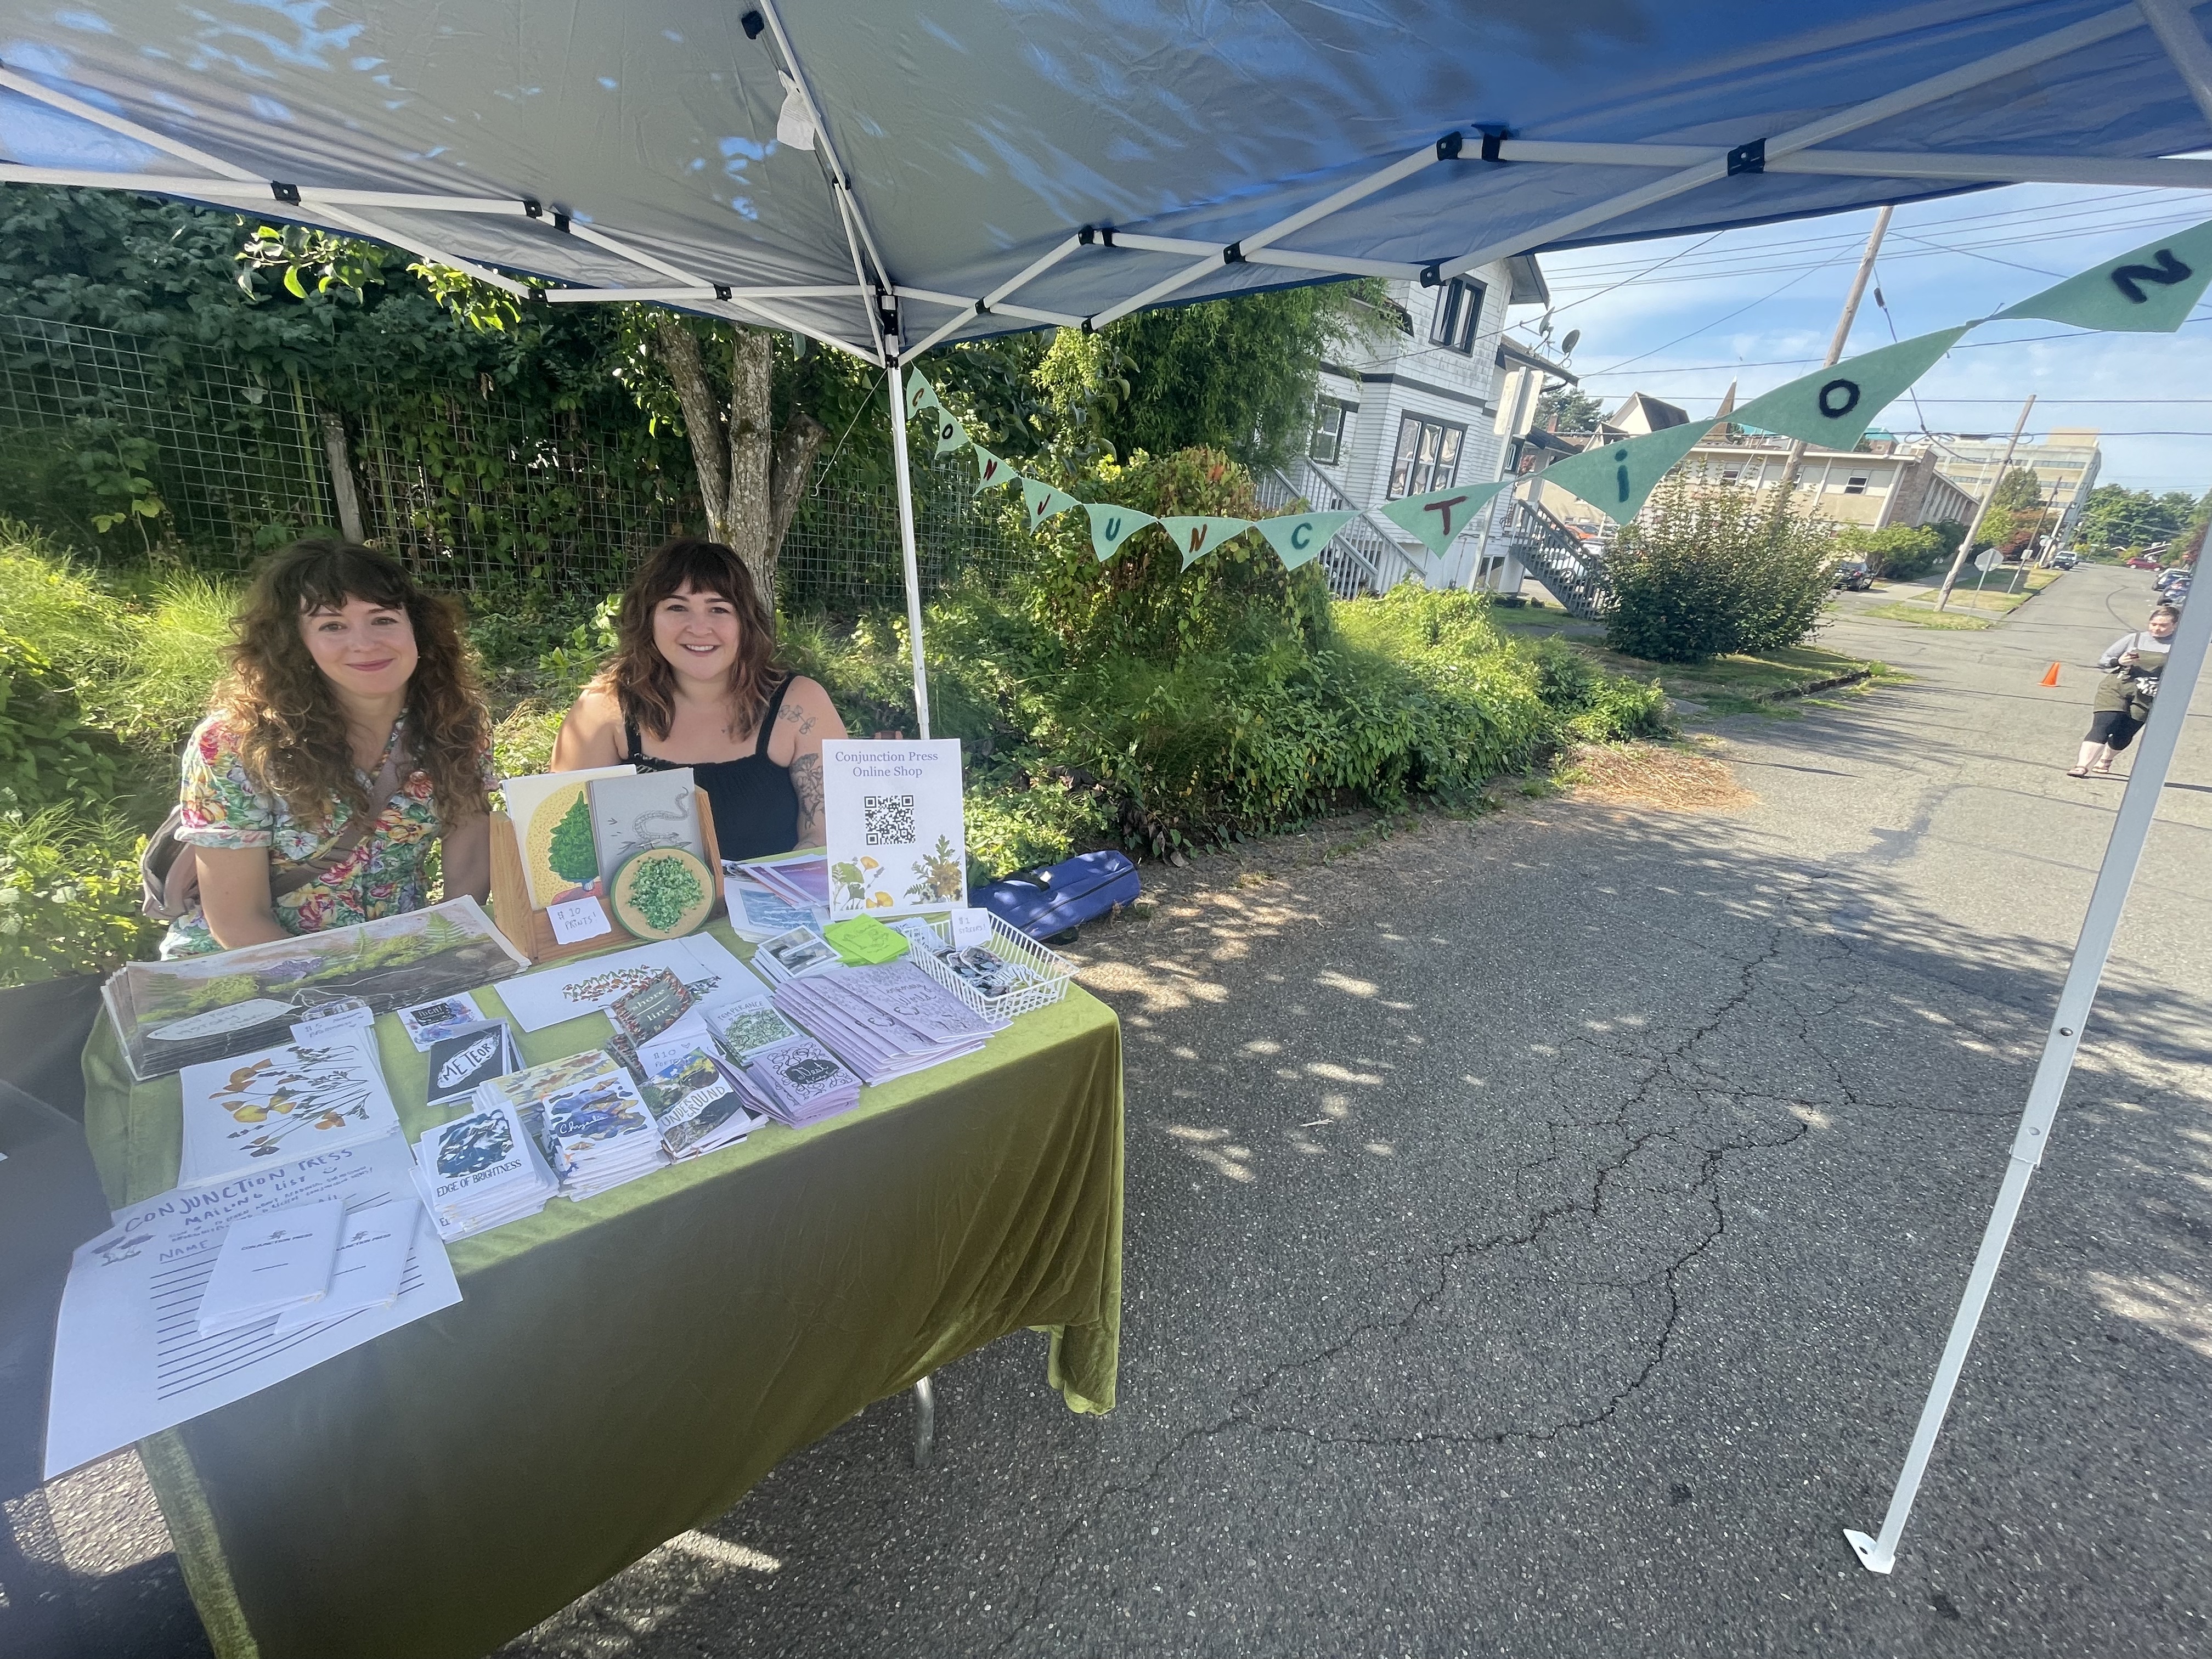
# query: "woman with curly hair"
[694,679]
[349,695]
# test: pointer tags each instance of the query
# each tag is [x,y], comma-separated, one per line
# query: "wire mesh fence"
[116,443]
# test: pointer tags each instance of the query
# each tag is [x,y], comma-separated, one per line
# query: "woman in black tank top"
[693,684]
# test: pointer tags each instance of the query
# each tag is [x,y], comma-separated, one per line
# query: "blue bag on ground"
[1051,901]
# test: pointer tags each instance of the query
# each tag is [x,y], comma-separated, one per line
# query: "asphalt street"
[1541,1231]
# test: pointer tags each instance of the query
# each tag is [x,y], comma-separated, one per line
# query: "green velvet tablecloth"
[623,1369]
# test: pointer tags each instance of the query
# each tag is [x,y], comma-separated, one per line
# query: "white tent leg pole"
[897,381]
[2123,855]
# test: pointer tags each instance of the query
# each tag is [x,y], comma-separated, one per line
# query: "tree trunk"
[752,453]
[751,477]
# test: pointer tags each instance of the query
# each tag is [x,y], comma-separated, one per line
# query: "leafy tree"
[571,852]
[1901,550]
[1568,409]
[2115,518]
[1236,376]
[1709,569]
[2019,488]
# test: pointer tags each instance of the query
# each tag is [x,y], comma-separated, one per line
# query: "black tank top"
[755,809]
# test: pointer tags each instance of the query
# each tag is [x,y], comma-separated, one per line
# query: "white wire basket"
[1050,972]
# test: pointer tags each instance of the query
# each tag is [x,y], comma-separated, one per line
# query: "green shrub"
[180,648]
[1710,568]
[68,896]
[1902,552]
[48,757]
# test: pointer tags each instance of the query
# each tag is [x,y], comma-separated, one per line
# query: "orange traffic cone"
[2050,675]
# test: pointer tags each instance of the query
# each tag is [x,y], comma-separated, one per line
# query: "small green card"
[862,941]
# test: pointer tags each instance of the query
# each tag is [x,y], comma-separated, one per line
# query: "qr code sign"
[889,819]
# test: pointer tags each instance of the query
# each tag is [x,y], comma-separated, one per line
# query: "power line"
[1799,363]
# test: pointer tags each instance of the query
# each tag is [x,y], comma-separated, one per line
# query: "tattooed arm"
[807,720]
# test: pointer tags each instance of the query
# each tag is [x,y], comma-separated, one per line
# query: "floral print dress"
[382,877]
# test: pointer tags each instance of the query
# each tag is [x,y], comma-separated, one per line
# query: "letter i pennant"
[1615,477]
[1442,514]
[1196,538]
[1111,526]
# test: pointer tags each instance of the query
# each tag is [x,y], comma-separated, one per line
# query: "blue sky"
[1681,318]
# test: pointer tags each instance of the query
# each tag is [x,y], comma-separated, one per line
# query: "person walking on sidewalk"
[2132,664]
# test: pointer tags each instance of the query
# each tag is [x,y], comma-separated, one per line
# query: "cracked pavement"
[1542,1229]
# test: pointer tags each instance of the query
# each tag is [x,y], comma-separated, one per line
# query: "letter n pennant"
[2148,291]
[1442,514]
[950,435]
[991,472]
[1111,526]
[1196,538]
[1040,502]
[1297,536]
[1834,406]
[919,395]
[1615,477]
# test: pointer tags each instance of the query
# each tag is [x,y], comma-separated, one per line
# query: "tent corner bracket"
[288,194]
[1748,158]
[1493,143]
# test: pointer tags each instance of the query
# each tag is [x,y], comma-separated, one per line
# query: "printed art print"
[896,826]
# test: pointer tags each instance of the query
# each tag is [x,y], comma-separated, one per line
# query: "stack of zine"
[480,1172]
[885,1021]
[790,1076]
[701,1104]
[597,1132]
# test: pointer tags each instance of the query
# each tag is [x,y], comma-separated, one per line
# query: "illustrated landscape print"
[895,824]
[170,1015]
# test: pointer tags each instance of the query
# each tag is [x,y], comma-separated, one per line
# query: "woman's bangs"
[343,574]
[704,568]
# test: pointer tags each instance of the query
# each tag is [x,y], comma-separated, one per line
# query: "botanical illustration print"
[749,1028]
[853,879]
[937,875]
[589,991]
[665,889]
[279,1095]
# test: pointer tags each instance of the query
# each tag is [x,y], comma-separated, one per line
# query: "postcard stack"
[701,1105]
[482,1171]
[758,913]
[790,1076]
[587,1117]
[885,1022]
[802,878]
[794,955]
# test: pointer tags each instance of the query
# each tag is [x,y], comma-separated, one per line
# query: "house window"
[1459,312]
[1427,458]
[1332,429]
[1729,475]
[1856,485]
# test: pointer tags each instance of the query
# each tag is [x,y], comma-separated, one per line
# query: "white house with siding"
[1422,412]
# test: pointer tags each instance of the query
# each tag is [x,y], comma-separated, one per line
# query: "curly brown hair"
[292,733]
[643,683]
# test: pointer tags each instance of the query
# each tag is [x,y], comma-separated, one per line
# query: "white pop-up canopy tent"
[882,178]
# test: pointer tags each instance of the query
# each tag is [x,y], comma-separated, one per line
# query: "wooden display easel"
[528,928]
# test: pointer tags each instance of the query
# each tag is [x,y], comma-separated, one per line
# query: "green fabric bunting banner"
[991,472]
[1615,479]
[1834,406]
[1196,538]
[2148,291]
[950,435]
[1111,526]
[1297,536]
[919,395]
[1442,514]
[1040,502]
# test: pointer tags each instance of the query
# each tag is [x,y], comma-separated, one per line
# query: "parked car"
[2167,579]
[2065,560]
[1855,575]
[2143,562]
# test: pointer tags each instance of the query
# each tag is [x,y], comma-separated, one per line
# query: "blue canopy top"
[1119,154]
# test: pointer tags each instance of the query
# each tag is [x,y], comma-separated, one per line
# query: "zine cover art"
[472,1145]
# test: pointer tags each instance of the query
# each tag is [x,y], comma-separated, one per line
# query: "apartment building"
[2064,460]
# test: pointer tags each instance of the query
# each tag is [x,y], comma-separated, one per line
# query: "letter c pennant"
[1297,537]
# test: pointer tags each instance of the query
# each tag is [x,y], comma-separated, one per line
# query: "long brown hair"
[641,679]
[292,733]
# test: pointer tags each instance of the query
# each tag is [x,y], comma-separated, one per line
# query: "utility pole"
[1796,455]
[1983,511]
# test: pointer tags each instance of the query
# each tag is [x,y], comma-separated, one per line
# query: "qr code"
[889,819]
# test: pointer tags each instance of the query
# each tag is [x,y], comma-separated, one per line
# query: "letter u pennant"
[1111,526]
[1196,538]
